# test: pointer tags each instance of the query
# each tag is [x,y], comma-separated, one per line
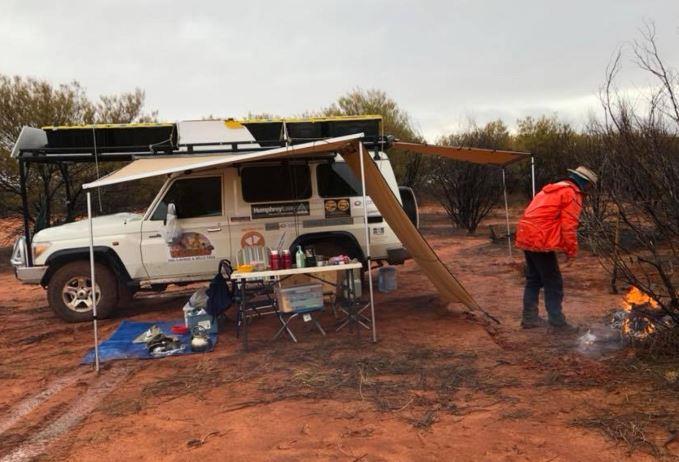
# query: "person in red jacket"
[548,226]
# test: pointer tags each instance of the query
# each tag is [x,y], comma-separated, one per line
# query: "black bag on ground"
[220,291]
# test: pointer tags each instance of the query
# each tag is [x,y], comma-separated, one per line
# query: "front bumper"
[30,274]
[19,260]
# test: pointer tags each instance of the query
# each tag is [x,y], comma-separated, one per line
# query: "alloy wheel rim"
[77,294]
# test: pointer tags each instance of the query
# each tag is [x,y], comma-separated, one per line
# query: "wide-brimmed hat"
[585,173]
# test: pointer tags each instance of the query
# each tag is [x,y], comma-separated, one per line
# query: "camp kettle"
[200,340]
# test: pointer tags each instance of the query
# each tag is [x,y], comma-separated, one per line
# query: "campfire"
[640,317]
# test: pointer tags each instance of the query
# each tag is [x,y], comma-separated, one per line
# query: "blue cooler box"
[203,320]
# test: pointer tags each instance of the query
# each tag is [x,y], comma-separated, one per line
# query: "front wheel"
[69,291]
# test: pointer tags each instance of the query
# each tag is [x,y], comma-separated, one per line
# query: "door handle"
[214,230]
[153,236]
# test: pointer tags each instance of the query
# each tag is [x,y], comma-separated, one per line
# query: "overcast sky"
[444,61]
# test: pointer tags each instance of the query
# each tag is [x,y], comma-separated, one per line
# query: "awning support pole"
[93,283]
[532,173]
[367,244]
[509,232]
[24,206]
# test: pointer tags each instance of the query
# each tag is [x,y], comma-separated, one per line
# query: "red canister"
[286,259]
[274,260]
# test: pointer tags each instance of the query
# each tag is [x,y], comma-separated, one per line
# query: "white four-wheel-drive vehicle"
[278,204]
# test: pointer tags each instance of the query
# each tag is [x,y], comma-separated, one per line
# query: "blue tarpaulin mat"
[119,345]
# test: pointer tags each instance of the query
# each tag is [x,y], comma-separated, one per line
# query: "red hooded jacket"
[550,223]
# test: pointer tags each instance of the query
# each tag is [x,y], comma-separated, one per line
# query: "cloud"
[443,61]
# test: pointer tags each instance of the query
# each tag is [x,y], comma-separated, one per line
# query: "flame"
[635,297]
[635,323]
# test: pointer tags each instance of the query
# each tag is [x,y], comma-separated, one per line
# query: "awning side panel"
[390,208]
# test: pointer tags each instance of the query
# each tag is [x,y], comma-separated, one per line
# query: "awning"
[376,186]
[156,166]
[465,154]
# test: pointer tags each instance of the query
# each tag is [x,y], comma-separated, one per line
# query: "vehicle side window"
[337,180]
[273,183]
[193,197]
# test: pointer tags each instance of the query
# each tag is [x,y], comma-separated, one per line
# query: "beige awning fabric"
[377,188]
[465,154]
[156,166]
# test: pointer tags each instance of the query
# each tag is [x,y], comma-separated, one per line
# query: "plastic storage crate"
[307,297]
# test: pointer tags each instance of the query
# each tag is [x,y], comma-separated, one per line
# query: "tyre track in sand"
[75,413]
[28,405]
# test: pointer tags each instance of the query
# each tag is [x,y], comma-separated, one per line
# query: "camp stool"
[286,318]
[304,300]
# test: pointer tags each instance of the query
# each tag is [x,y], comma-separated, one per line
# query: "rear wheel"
[69,291]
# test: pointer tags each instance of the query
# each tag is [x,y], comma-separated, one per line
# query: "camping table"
[275,276]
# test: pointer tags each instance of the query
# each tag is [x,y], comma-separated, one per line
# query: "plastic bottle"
[300,257]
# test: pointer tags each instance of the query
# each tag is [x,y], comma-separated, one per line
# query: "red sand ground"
[515,397]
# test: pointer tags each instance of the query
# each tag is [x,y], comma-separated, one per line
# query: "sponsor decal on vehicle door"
[191,246]
[335,208]
[289,209]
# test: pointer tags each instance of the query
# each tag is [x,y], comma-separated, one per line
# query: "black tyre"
[125,295]
[69,291]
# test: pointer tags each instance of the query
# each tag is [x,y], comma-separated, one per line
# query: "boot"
[533,323]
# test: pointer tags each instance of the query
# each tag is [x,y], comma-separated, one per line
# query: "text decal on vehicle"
[290,209]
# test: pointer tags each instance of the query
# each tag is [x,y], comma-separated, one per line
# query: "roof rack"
[120,142]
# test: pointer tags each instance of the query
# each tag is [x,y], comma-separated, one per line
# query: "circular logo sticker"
[252,238]
[343,205]
[330,206]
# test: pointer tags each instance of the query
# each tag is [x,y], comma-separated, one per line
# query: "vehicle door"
[202,238]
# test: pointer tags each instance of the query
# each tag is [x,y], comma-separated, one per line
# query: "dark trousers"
[542,271]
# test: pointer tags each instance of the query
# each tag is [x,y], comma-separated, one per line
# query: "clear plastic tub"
[386,279]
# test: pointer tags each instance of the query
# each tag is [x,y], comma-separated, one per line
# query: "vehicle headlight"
[39,248]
